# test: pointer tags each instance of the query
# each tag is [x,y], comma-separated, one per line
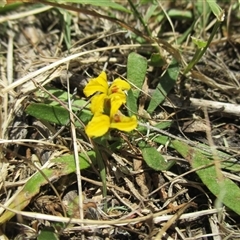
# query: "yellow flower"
[118,85]
[105,106]
[98,84]
[101,123]
[110,98]
[98,126]
[123,123]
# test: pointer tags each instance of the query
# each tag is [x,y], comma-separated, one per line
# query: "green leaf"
[163,124]
[6,8]
[57,168]
[102,3]
[157,60]
[150,11]
[55,114]
[160,125]
[224,189]
[136,71]
[200,43]
[66,19]
[179,14]
[200,52]
[202,11]
[231,166]
[185,35]
[161,139]
[62,96]
[217,11]
[131,103]
[154,159]
[47,233]
[166,83]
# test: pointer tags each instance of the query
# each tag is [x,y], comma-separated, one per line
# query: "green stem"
[138,15]
[103,174]
[199,53]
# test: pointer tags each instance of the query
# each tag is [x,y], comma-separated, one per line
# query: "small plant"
[105,106]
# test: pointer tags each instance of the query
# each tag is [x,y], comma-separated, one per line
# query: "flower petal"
[98,84]
[97,103]
[123,123]
[98,126]
[118,85]
[116,99]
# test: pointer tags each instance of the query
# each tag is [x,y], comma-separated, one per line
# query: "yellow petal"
[123,123]
[98,126]
[118,85]
[97,103]
[98,84]
[116,99]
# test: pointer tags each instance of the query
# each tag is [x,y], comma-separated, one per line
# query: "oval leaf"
[60,167]
[136,70]
[155,160]
[166,83]
[225,189]
[55,114]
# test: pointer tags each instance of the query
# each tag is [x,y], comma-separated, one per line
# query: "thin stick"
[228,108]
[157,217]
[24,14]
[75,152]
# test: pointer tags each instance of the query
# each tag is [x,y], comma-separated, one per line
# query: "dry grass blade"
[76,157]
[23,14]
[57,68]
[157,217]
[171,221]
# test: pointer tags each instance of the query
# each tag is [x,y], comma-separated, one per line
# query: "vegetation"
[120,119]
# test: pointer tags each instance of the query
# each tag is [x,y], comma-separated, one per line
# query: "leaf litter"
[163,180]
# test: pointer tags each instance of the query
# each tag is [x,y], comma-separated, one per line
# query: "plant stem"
[102,170]
[138,15]
[199,53]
